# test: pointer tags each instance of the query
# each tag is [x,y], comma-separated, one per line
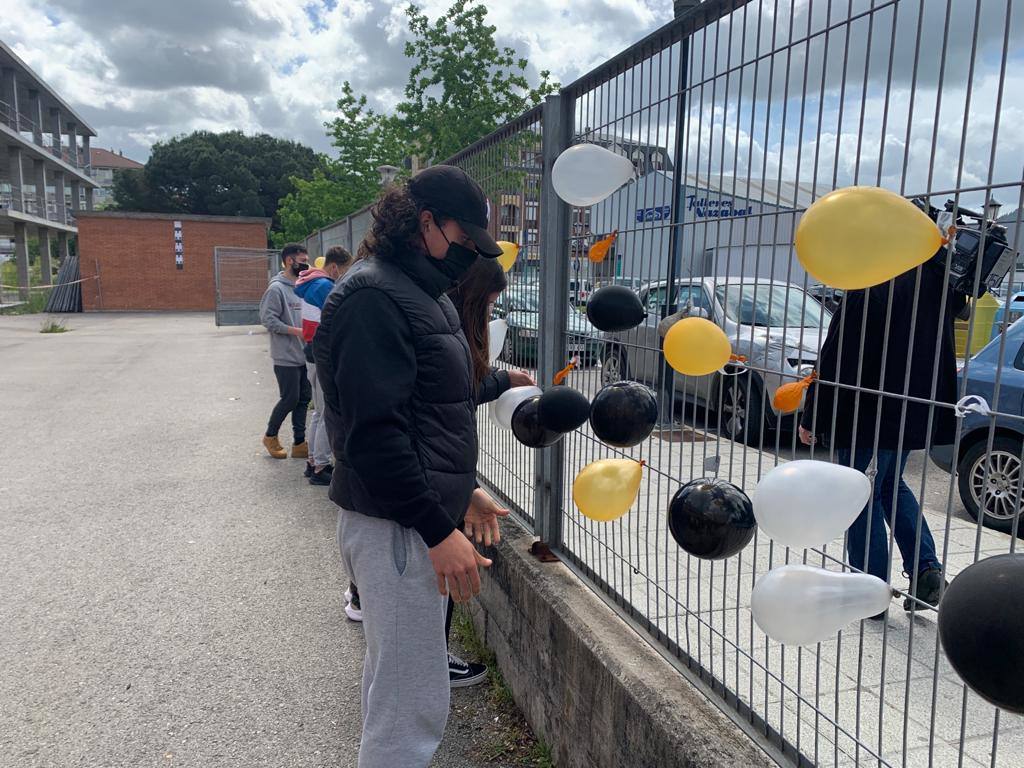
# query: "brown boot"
[300,450]
[274,447]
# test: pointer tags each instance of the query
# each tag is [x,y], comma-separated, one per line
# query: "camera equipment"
[967,257]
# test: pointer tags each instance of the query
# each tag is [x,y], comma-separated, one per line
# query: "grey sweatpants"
[319,445]
[406,688]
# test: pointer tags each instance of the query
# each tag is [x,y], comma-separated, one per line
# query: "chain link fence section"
[241,276]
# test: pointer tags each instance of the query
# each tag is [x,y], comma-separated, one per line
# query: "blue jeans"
[897,506]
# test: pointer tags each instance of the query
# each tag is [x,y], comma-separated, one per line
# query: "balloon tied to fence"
[788,397]
[564,373]
[604,490]
[600,248]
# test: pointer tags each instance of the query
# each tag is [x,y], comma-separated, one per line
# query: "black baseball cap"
[452,193]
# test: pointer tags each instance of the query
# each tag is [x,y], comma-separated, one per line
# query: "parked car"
[520,306]
[826,295]
[775,325]
[579,292]
[984,475]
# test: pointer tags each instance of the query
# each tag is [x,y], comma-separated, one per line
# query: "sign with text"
[179,247]
[715,208]
[657,213]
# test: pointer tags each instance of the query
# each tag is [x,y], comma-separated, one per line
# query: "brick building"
[143,263]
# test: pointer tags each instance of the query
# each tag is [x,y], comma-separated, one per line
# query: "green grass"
[54,326]
[36,299]
[515,741]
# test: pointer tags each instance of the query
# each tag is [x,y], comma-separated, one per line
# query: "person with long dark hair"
[474,299]
[399,396]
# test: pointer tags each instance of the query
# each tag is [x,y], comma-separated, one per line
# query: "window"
[510,215]
[771,306]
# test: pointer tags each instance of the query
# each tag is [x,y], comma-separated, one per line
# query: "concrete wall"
[134,254]
[597,693]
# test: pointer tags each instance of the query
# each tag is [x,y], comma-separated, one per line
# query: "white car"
[776,326]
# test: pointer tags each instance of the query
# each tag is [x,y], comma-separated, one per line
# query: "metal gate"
[241,276]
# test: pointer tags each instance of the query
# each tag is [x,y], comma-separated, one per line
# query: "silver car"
[776,326]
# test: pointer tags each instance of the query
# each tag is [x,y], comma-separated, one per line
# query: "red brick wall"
[136,261]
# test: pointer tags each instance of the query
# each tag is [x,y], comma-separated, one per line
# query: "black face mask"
[297,268]
[456,262]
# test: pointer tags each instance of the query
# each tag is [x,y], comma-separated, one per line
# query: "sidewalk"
[171,595]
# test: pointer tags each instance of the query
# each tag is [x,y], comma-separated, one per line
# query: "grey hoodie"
[280,310]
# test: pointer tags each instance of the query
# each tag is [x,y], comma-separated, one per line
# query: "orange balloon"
[787,397]
[600,249]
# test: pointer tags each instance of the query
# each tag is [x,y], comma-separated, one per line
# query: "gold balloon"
[319,263]
[605,489]
[862,236]
[509,251]
[696,347]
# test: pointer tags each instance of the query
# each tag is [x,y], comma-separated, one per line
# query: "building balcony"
[27,129]
[23,205]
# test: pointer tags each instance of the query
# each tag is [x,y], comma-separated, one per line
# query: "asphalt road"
[170,594]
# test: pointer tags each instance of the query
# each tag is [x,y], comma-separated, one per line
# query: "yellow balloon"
[319,263]
[862,236]
[509,251]
[696,347]
[605,489]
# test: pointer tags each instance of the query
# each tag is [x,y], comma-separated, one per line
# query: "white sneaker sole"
[352,613]
[466,682]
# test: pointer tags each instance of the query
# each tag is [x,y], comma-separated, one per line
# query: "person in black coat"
[883,341]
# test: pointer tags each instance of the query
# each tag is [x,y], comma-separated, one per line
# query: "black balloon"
[615,308]
[624,414]
[711,519]
[563,408]
[527,428]
[981,625]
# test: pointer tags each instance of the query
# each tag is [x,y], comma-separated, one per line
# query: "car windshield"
[771,306]
[524,301]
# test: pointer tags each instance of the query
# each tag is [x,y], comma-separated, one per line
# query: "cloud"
[141,72]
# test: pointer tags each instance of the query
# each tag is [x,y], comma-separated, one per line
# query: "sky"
[144,70]
[915,95]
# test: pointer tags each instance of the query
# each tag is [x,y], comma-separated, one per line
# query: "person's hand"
[295,331]
[806,437]
[456,563]
[482,518]
[521,379]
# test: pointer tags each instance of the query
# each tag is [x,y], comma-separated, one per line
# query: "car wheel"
[508,353]
[613,365]
[742,416]
[995,478]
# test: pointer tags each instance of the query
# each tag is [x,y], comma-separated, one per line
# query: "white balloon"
[809,503]
[585,174]
[803,605]
[503,408]
[496,330]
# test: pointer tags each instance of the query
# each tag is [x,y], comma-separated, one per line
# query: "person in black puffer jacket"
[396,373]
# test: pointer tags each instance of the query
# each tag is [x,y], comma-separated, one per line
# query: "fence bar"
[554,301]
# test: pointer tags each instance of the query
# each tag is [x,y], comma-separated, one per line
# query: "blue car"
[992,477]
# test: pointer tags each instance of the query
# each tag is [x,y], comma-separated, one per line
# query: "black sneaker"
[462,674]
[308,472]
[320,477]
[352,608]
[929,589]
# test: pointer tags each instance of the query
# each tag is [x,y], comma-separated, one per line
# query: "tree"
[462,85]
[365,140]
[460,88]
[226,173]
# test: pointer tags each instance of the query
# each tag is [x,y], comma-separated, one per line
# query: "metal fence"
[241,276]
[737,116]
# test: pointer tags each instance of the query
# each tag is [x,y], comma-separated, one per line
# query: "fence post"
[556,122]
